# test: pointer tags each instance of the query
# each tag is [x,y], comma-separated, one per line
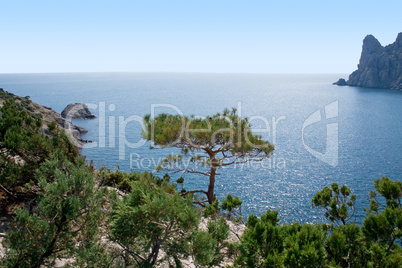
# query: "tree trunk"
[154,253]
[50,248]
[211,186]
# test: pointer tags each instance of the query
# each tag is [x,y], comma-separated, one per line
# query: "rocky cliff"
[379,67]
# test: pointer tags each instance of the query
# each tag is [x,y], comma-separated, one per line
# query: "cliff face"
[379,67]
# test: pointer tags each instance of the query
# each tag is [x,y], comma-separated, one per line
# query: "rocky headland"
[379,67]
[69,128]
[48,115]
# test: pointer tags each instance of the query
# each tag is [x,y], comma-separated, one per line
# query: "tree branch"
[7,191]
[235,162]
[177,169]
[132,253]
[195,191]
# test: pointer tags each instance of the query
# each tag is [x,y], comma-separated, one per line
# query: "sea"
[322,133]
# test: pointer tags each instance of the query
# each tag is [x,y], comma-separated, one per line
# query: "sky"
[249,36]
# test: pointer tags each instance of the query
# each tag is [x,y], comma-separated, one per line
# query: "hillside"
[47,115]
[56,210]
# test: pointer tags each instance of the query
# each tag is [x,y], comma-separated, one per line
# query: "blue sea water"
[297,112]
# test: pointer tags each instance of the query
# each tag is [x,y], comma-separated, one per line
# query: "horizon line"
[170,72]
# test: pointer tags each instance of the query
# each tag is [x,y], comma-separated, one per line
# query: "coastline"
[49,115]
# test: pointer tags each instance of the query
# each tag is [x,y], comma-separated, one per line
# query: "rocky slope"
[48,116]
[73,131]
[379,67]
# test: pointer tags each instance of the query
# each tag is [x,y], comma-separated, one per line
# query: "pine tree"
[148,220]
[207,143]
[337,202]
[65,220]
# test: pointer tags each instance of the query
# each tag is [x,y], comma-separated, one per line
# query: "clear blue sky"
[252,36]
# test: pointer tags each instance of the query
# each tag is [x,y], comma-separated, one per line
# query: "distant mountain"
[379,67]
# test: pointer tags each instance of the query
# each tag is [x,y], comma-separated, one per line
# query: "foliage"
[389,190]
[211,211]
[345,247]
[207,246]
[65,220]
[21,138]
[379,256]
[375,244]
[337,202]
[266,244]
[383,223]
[304,246]
[385,227]
[124,180]
[148,220]
[233,206]
[206,143]
[262,241]
[180,182]
[118,179]
[57,188]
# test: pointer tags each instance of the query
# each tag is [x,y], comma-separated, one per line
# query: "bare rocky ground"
[3,229]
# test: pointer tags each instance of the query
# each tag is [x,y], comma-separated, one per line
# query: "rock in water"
[77,110]
[341,82]
[379,67]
